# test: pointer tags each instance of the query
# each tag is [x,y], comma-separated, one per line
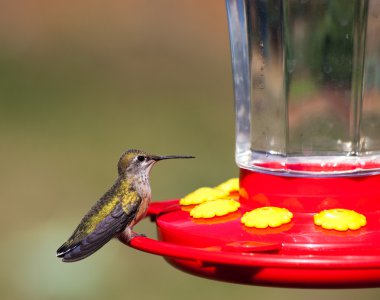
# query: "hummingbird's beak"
[157,158]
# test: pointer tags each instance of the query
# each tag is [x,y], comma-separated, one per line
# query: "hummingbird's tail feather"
[66,247]
[82,245]
[85,248]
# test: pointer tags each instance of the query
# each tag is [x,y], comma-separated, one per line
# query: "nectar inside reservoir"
[322,166]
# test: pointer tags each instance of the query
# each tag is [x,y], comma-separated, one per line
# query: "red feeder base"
[298,254]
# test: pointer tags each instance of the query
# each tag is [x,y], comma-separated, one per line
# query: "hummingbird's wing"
[88,238]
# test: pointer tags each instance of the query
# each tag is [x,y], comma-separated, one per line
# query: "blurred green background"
[80,82]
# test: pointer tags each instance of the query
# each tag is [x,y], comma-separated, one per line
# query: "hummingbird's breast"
[142,187]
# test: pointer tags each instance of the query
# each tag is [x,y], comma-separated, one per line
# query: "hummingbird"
[118,210]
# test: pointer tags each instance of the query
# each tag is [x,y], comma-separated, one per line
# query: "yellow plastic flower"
[202,195]
[340,219]
[229,186]
[210,209]
[267,216]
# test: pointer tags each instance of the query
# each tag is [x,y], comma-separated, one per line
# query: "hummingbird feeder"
[307,212]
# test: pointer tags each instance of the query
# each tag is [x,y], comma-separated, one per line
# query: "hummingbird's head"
[135,162]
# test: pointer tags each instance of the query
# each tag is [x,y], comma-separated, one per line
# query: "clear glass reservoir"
[307,85]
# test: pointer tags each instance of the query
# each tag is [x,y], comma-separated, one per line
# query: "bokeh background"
[80,82]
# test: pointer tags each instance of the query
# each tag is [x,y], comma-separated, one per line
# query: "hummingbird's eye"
[140,158]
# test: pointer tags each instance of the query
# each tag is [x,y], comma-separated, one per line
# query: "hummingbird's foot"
[134,234]
[127,235]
